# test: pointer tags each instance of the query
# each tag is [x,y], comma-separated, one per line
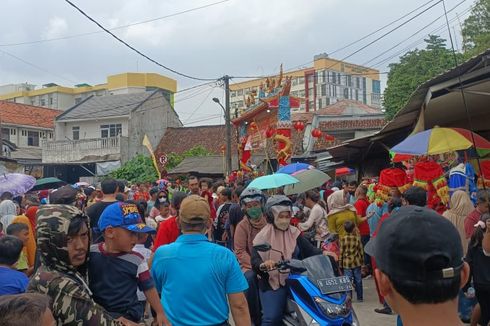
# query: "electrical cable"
[134,49]
[202,102]
[418,31]
[463,96]
[114,28]
[35,66]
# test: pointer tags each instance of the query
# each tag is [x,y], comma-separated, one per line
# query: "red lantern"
[269,132]
[329,138]
[316,133]
[253,126]
[299,125]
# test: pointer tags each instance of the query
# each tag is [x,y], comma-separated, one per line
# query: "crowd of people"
[175,254]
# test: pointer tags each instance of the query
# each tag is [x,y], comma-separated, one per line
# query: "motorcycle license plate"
[334,285]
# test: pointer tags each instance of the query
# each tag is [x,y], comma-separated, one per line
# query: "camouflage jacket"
[57,278]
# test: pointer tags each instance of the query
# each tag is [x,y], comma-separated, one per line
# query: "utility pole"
[1,138]
[226,80]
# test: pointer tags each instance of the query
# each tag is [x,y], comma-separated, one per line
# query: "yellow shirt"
[336,221]
[22,262]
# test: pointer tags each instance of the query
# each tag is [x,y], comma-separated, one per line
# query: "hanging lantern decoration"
[329,138]
[299,125]
[270,132]
[253,126]
[316,133]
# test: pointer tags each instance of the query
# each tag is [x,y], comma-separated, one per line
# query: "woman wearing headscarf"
[340,211]
[8,211]
[286,239]
[461,206]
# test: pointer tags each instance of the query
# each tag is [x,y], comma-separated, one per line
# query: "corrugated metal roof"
[105,106]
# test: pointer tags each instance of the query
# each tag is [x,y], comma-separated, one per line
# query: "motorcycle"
[316,295]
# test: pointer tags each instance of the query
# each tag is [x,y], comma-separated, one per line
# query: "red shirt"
[470,221]
[141,196]
[168,232]
[361,206]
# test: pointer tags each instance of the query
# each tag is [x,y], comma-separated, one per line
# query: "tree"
[141,169]
[476,29]
[414,68]
[138,169]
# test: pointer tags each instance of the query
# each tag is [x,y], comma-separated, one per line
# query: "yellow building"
[60,97]
[326,82]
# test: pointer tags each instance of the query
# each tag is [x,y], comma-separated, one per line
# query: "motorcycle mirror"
[263,247]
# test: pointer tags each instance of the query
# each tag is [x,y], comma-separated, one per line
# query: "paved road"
[365,310]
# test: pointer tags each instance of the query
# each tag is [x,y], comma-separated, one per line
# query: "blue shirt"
[194,277]
[378,213]
[12,281]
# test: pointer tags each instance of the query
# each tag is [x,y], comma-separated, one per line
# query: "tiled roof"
[179,140]
[27,115]
[357,124]
[105,106]
[348,107]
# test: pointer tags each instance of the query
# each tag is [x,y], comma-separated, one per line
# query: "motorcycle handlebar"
[281,265]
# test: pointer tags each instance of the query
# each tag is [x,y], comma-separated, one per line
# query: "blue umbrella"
[295,167]
[16,183]
[271,181]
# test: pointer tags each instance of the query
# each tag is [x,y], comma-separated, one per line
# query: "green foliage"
[141,169]
[414,68]
[175,159]
[138,169]
[476,29]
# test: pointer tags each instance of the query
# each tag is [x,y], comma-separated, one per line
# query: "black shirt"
[94,212]
[479,266]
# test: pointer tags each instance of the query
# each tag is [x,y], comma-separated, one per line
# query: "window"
[346,93]
[301,80]
[334,78]
[33,138]
[349,81]
[50,100]
[75,132]
[358,83]
[324,89]
[319,105]
[111,130]
[239,92]
[357,95]
[339,81]
[13,132]
[6,133]
[42,102]
[233,94]
[50,135]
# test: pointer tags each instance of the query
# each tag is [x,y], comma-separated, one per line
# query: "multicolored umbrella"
[308,179]
[272,181]
[294,168]
[442,140]
[16,183]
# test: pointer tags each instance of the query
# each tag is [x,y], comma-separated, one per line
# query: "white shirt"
[146,253]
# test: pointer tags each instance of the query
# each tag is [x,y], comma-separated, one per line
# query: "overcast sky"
[234,37]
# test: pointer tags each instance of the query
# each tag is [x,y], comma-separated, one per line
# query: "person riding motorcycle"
[252,203]
[287,242]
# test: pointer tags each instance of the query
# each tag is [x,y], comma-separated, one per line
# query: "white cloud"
[57,27]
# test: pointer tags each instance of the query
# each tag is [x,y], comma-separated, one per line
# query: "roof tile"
[27,115]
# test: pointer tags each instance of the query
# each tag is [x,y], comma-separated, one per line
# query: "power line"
[417,42]
[114,28]
[381,28]
[364,37]
[202,102]
[136,50]
[417,32]
[35,66]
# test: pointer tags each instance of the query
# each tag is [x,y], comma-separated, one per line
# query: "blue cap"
[123,215]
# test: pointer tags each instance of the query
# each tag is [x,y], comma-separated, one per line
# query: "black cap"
[417,244]
[63,195]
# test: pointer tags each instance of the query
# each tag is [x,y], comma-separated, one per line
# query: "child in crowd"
[164,212]
[21,231]
[26,309]
[146,253]
[116,271]
[11,280]
[352,256]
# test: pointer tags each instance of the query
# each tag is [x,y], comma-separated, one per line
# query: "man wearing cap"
[197,278]
[116,271]
[420,267]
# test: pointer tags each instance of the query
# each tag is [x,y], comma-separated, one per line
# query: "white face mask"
[282,224]
[162,200]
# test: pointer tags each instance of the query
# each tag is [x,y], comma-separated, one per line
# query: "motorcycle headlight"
[332,310]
